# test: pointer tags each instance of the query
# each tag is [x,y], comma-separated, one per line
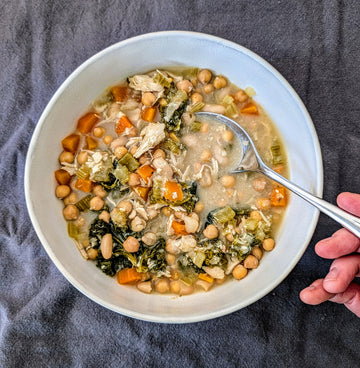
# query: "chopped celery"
[231,110]
[190,73]
[172,146]
[73,230]
[227,100]
[179,97]
[199,259]
[83,172]
[224,214]
[101,175]
[84,203]
[196,107]
[189,278]
[195,126]
[277,157]
[119,217]
[162,79]
[129,161]
[251,223]
[122,173]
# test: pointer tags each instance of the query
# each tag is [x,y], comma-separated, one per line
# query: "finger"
[350,202]
[350,298]
[339,244]
[342,272]
[315,293]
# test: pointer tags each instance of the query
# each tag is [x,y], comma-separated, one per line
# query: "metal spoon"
[251,161]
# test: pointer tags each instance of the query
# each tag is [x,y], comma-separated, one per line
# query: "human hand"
[338,285]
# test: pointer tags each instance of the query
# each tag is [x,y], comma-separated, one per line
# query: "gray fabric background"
[44,320]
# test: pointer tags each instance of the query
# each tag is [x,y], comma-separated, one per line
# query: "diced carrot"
[206,277]
[142,192]
[250,108]
[145,172]
[173,191]
[119,93]
[62,176]
[128,276]
[278,197]
[123,124]
[84,185]
[87,122]
[179,228]
[71,142]
[279,169]
[91,143]
[148,114]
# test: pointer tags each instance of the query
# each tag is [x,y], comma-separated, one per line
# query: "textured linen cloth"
[44,320]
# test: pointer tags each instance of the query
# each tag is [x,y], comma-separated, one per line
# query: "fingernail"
[332,275]
[311,287]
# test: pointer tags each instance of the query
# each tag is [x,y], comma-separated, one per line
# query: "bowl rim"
[318,190]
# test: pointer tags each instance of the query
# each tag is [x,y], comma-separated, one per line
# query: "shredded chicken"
[144,83]
[151,135]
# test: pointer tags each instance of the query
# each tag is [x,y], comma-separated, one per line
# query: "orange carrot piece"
[123,124]
[87,122]
[173,191]
[179,228]
[148,114]
[84,185]
[278,197]
[120,93]
[142,192]
[128,276]
[250,108]
[91,143]
[206,277]
[71,142]
[62,176]
[145,172]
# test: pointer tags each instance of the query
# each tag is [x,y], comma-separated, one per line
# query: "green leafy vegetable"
[172,146]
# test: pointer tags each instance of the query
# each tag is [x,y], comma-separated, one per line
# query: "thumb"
[350,298]
[350,202]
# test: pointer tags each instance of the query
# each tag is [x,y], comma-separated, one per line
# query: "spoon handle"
[347,220]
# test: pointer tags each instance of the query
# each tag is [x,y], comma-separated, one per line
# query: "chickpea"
[170,259]
[70,199]
[211,232]
[99,132]
[208,88]
[199,207]
[162,102]
[228,136]
[149,238]
[133,150]
[251,262]
[120,151]
[263,203]
[162,286]
[229,237]
[137,224]
[66,157]
[131,244]
[62,191]
[80,222]
[241,96]
[204,128]
[257,252]
[96,203]
[126,206]
[205,156]
[82,157]
[134,180]
[268,244]
[175,286]
[92,253]
[70,212]
[259,184]
[196,97]
[219,82]
[148,98]
[105,216]
[174,273]
[239,272]
[108,139]
[185,85]
[186,289]
[159,153]
[167,211]
[227,181]
[256,215]
[99,191]
[144,160]
[204,76]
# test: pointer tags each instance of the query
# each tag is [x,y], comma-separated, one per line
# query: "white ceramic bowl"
[140,54]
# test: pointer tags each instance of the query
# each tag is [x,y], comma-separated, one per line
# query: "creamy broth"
[148,191]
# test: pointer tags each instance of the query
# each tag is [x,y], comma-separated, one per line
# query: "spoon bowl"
[250,160]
